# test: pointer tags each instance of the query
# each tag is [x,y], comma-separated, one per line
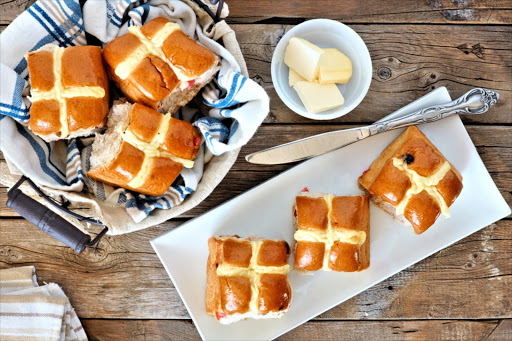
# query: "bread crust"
[311,213]
[128,162]
[309,256]
[387,184]
[212,281]
[81,69]
[228,297]
[347,215]
[351,213]
[155,82]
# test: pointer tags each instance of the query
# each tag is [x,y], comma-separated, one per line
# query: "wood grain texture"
[10,9]
[374,11]
[139,330]
[123,278]
[503,331]
[408,62]
[494,144]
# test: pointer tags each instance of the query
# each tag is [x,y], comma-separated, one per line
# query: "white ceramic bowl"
[325,34]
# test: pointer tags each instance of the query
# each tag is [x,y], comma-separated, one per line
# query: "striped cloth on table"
[227,123]
[30,312]
[17,279]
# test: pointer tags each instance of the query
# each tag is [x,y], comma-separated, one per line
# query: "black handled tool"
[49,221]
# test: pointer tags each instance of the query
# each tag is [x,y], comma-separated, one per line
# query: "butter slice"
[319,97]
[303,57]
[334,67]
[294,77]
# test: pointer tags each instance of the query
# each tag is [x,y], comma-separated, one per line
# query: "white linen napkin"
[32,312]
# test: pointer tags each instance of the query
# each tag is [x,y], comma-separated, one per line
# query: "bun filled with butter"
[159,66]
[142,149]
[69,91]
[247,278]
[412,181]
[332,232]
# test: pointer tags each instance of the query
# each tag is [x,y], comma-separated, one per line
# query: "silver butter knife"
[474,102]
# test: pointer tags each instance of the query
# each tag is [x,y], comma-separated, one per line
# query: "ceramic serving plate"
[266,211]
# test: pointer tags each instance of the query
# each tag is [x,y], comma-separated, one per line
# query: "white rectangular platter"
[266,211]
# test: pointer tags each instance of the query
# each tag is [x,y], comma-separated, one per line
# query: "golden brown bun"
[422,212]
[81,67]
[451,186]
[144,124]
[346,214]
[45,118]
[235,252]
[188,56]
[40,69]
[344,257]
[235,294]
[352,213]
[153,81]
[391,184]
[311,213]
[230,296]
[309,256]
[273,253]
[388,185]
[275,293]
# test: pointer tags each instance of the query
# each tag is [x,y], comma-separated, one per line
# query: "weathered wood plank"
[392,330]
[503,331]
[352,11]
[373,11]
[408,62]
[470,279]
[494,144]
[10,9]
[99,330]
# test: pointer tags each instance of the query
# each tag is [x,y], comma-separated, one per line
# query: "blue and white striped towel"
[59,164]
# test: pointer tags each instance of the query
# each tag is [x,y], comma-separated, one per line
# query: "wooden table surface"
[120,289]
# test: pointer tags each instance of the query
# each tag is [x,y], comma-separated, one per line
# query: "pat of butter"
[294,77]
[303,57]
[334,67]
[330,77]
[319,97]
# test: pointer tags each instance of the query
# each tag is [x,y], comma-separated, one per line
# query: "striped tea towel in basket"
[60,168]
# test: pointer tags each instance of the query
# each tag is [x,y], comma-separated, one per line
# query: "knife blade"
[267,156]
[475,102]
[308,147]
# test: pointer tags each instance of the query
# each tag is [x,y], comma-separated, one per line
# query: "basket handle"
[49,221]
[215,16]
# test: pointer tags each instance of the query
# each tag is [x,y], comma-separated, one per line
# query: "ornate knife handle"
[474,102]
